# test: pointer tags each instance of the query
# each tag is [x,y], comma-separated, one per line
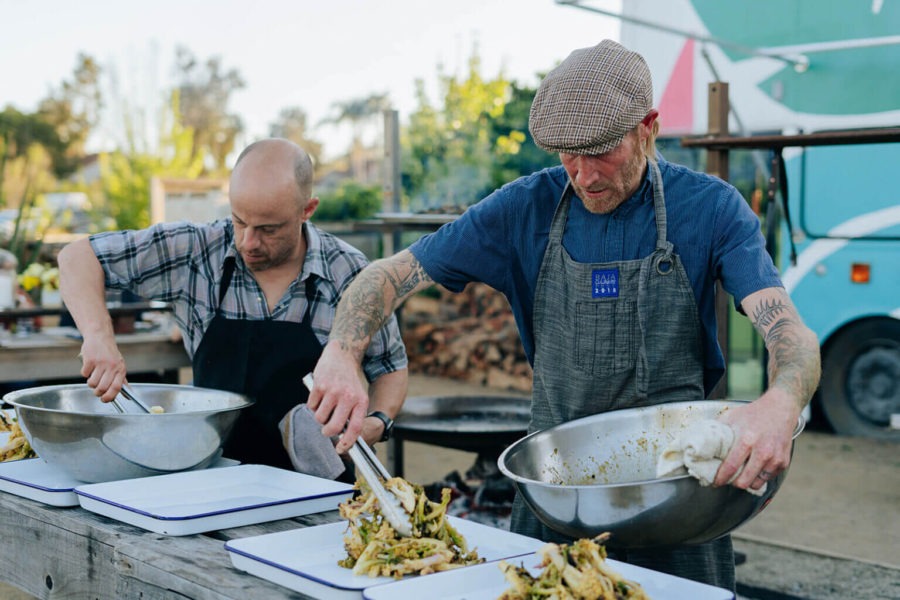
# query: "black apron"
[265,360]
[618,335]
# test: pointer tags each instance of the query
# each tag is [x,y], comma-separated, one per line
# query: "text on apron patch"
[605,283]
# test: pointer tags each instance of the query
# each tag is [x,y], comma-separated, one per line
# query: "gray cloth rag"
[699,451]
[310,451]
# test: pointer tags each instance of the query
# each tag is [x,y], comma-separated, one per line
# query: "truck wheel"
[860,387]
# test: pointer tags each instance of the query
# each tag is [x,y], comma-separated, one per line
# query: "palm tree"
[358,112]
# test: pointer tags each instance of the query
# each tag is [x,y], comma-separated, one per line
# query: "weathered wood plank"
[48,554]
[199,566]
[71,553]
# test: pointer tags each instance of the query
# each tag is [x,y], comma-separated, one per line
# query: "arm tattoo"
[793,348]
[766,313]
[404,276]
[373,297]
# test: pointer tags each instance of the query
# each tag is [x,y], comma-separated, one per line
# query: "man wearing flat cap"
[609,263]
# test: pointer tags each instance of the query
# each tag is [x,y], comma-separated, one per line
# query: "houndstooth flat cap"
[590,101]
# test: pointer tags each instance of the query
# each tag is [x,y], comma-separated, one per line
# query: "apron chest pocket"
[606,336]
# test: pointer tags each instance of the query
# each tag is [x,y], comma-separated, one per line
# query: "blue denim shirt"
[501,241]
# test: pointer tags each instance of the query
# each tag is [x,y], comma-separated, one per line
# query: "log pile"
[470,336]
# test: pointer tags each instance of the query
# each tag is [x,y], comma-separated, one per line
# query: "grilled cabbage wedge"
[576,571]
[375,549]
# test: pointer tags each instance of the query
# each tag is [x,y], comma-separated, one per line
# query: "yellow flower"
[29,282]
[37,274]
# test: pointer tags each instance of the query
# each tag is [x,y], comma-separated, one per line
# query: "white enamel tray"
[34,479]
[212,499]
[486,582]
[305,560]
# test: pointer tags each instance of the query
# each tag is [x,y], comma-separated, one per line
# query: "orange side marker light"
[859,273]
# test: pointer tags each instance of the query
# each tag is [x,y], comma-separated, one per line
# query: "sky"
[302,53]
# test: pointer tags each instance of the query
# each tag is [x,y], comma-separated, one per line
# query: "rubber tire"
[846,347]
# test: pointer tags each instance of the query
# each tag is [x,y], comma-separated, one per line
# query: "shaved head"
[278,153]
[271,197]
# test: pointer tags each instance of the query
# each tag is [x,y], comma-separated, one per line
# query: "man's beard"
[619,190]
[264,262]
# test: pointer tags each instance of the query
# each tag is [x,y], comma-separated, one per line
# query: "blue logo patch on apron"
[605,283]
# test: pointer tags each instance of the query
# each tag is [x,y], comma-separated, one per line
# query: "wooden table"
[53,354]
[55,552]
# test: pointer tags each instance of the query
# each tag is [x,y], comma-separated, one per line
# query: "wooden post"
[391,185]
[717,164]
[717,122]
[390,240]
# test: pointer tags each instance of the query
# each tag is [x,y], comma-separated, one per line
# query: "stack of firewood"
[470,336]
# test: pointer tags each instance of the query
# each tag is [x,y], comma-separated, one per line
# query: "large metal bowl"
[598,473]
[70,428]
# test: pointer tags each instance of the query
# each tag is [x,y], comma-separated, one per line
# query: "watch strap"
[388,423]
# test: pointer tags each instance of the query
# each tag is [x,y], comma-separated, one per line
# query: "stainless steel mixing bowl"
[69,427]
[598,474]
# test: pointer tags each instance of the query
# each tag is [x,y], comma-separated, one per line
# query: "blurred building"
[196,200]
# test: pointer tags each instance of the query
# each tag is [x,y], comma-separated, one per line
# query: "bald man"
[254,297]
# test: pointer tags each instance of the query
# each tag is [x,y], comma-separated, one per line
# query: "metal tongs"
[126,391]
[373,472]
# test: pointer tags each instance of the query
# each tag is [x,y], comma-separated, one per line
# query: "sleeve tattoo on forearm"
[788,354]
[373,297]
[405,278]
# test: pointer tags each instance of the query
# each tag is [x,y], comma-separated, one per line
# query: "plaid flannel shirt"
[181,263]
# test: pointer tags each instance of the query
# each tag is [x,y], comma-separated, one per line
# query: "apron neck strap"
[659,208]
[558,225]
[227,272]
[310,294]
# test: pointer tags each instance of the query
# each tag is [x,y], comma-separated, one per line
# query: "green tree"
[126,173]
[32,156]
[61,126]
[448,151]
[74,110]
[204,93]
[359,112]
[19,134]
[515,153]
[350,201]
[39,149]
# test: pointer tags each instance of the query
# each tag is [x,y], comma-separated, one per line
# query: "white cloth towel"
[699,451]
[310,451]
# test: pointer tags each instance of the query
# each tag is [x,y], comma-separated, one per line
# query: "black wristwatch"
[388,424]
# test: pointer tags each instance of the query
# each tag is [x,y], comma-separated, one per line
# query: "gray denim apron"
[618,335]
